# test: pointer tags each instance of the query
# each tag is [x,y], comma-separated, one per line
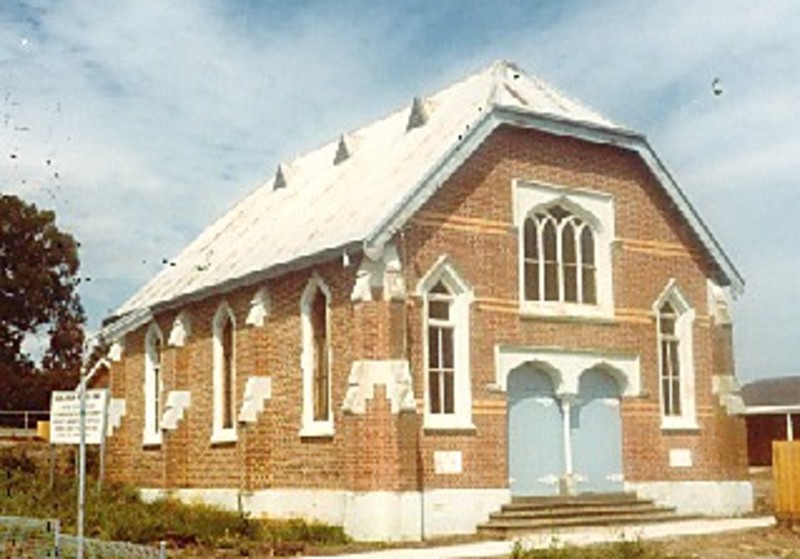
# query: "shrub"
[17,461]
[118,513]
[623,549]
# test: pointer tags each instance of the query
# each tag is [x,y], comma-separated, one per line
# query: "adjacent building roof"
[354,193]
[774,395]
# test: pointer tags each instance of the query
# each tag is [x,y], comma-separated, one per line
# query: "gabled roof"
[773,395]
[357,191]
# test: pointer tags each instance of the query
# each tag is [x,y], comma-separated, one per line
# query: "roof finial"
[343,151]
[280,178]
[420,111]
[498,80]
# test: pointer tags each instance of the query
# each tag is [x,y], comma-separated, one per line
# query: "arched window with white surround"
[153,385]
[565,250]
[559,257]
[317,413]
[676,376]
[442,324]
[446,298]
[670,365]
[224,376]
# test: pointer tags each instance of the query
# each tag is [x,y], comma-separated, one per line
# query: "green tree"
[38,297]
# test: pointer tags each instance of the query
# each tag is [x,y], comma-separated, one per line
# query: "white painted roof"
[356,190]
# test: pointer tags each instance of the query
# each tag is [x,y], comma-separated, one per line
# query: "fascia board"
[688,211]
[352,248]
[425,188]
[621,137]
[117,328]
[637,142]
[771,410]
[102,362]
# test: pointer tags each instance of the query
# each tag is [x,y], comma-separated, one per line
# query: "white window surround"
[566,366]
[309,426]
[153,385]
[594,208]
[687,420]
[462,293]
[219,433]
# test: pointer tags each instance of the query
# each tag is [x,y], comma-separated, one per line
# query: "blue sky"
[141,121]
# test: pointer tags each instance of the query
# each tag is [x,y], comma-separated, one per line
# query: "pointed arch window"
[227,375]
[559,263]
[153,385]
[224,381]
[446,322]
[441,350]
[319,327]
[317,412]
[675,318]
[566,237]
[670,365]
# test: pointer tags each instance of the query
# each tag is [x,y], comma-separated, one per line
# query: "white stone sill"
[679,424]
[317,430]
[149,440]
[226,436]
[566,312]
[432,424]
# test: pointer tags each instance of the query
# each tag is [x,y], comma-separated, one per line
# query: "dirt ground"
[778,542]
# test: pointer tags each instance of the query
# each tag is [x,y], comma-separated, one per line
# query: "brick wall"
[470,219]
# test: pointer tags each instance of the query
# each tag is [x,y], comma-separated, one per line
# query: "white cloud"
[159,115]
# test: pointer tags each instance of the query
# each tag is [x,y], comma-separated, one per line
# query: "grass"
[118,513]
[623,549]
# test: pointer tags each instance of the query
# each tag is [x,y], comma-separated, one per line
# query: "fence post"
[53,457]
[162,550]
[57,538]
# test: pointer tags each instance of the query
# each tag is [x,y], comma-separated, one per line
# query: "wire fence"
[27,538]
[22,419]
[100,549]
[30,538]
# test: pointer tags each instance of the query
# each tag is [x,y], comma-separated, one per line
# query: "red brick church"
[491,292]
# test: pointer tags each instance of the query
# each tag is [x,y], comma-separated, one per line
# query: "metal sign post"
[103,435]
[82,463]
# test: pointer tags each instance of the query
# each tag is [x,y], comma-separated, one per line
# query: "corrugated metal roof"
[772,392]
[347,192]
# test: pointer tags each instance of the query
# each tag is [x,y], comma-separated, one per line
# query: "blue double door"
[538,437]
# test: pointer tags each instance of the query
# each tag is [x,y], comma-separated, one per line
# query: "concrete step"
[508,529]
[557,500]
[529,514]
[582,511]
[575,507]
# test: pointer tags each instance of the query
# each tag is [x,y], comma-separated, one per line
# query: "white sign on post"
[65,416]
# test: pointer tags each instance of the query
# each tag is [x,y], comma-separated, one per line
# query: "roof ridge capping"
[529,92]
[498,71]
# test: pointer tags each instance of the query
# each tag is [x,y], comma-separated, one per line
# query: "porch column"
[568,480]
[789,427]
